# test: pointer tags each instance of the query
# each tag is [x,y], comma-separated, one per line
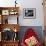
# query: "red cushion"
[29,33]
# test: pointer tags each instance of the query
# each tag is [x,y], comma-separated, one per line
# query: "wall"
[28,22]
[36,29]
[44,13]
[27,4]
[44,21]
[7,3]
[39,13]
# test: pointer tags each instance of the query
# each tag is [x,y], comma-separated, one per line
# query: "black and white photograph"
[29,13]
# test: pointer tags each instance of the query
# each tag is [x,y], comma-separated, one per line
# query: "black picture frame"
[29,13]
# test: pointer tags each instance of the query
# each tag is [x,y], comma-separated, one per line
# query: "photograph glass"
[29,13]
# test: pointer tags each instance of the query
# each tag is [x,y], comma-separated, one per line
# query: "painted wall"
[28,22]
[7,3]
[37,29]
[39,12]
[27,4]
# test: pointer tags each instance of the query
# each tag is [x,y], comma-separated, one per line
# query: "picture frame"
[5,12]
[29,13]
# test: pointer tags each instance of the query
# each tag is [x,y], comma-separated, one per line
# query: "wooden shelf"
[9,43]
[4,13]
[9,9]
[11,26]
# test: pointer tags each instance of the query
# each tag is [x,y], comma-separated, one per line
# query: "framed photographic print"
[29,13]
[5,12]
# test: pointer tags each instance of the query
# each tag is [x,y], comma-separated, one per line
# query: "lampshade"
[15,3]
[15,30]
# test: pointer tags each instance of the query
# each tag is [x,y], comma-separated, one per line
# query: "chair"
[28,34]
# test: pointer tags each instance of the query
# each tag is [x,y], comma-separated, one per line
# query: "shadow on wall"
[37,29]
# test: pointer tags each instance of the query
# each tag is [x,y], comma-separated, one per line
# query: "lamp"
[15,30]
[15,3]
